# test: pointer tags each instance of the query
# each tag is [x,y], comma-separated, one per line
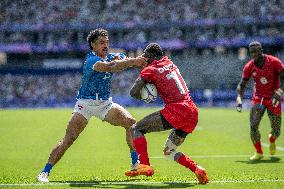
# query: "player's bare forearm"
[282,80]
[240,93]
[276,98]
[136,88]
[114,66]
[241,87]
[119,65]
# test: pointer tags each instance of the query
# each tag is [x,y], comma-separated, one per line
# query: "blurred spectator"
[68,11]
[52,90]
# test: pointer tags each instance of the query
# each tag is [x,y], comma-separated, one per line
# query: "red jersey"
[266,79]
[167,79]
[179,110]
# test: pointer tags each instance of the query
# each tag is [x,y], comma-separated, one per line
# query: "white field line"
[277,147]
[131,183]
[221,156]
[177,182]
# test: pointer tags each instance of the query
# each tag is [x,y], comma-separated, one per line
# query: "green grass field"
[99,157]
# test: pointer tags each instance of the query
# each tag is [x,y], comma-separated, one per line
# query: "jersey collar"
[98,56]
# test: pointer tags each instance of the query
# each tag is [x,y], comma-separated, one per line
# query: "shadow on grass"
[271,160]
[125,184]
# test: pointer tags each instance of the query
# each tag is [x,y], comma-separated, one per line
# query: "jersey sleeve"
[90,62]
[278,65]
[122,55]
[111,56]
[247,71]
[147,75]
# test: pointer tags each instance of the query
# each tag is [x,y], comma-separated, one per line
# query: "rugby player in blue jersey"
[93,98]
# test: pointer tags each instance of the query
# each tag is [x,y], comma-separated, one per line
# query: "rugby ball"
[149,93]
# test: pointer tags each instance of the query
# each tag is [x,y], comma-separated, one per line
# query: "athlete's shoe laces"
[256,157]
[272,146]
[141,169]
[43,177]
[201,175]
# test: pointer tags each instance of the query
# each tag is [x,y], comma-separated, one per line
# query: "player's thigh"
[256,113]
[119,116]
[76,125]
[151,123]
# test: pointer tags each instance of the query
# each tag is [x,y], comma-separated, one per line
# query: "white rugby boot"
[43,177]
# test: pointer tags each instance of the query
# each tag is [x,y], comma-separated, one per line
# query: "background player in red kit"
[267,72]
[179,114]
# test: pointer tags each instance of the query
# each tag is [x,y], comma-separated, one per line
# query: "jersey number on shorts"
[173,75]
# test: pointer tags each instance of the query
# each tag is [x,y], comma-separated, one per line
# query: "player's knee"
[136,132]
[132,121]
[129,122]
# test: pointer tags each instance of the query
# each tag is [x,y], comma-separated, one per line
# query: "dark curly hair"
[153,51]
[95,34]
[255,43]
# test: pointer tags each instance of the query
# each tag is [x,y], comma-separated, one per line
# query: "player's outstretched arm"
[276,98]
[136,88]
[240,93]
[119,65]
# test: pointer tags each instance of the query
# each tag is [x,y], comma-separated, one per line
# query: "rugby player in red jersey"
[179,114]
[267,72]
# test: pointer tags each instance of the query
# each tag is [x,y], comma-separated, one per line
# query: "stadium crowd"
[29,90]
[37,90]
[210,17]
[76,11]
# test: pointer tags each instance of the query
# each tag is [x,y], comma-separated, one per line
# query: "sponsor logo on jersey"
[263,80]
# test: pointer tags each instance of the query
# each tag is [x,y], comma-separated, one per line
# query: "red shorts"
[268,104]
[181,115]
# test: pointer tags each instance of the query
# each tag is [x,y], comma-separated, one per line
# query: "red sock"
[140,144]
[187,162]
[272,139]
[258,148]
